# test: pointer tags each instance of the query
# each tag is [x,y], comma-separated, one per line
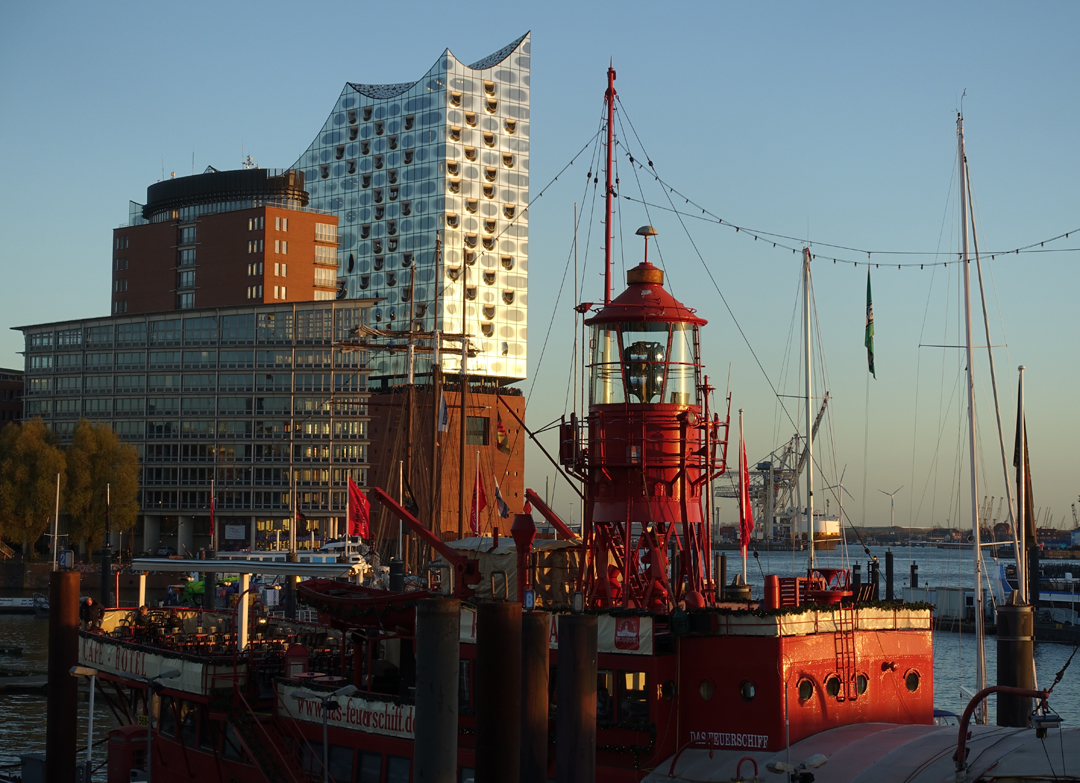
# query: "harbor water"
[22,715]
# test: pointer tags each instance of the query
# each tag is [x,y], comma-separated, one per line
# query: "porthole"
[806,690]
[832,685]
[911,680]
[706,689]
[861,684]
[667,690]
[747,690]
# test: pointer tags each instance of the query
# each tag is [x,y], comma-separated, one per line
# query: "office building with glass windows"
[257,399]
[445,157]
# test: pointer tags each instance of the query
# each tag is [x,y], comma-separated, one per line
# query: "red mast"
[609,99]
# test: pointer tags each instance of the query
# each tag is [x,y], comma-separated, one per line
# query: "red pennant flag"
[212,509]
[359,512]
[479,503]
[746,511]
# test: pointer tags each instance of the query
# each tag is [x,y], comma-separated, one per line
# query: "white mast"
[809,419]
[980,660]
[1020,525]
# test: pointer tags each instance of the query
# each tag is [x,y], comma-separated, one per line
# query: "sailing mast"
[980,655]
[809,422]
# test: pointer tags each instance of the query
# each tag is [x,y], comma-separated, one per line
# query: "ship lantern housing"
[644,346]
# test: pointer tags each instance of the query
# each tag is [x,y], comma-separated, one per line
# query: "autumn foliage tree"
[98,463]
[30,459]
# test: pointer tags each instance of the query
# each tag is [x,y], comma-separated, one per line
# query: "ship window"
[806,691]
[667,690]
[188,724]
[705,689]
[643,363]
[832,685]
[633,697]
[369,768]
[861,684]
[476,431]
[166,717]
[747,690]
[605,696]
[398,769]
[912,681]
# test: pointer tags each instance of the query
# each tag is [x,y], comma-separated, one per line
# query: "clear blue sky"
[833,121]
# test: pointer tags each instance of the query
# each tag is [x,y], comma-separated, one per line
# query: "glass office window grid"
[400,163]
[213,404]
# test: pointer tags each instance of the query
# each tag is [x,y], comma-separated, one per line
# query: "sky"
[827,122]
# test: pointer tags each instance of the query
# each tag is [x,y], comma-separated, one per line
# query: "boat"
[694,679]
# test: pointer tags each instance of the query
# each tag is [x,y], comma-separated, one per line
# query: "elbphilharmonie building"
[430,181]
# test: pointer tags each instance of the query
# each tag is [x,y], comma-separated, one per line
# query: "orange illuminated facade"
[222,239]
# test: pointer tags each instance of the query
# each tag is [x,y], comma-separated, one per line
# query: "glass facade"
[446,156]
[219,395]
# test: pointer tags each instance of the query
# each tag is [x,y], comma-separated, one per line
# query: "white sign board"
[625,634]
[235,532]
[353,712]
[122,660]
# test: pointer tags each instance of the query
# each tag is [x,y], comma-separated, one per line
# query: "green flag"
[869,326]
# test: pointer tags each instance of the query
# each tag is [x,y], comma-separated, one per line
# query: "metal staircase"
[265,745]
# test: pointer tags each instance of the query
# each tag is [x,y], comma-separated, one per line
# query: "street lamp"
[326,700]
[84,671]
[153,687]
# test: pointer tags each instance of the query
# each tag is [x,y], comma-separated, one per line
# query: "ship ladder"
[844,644]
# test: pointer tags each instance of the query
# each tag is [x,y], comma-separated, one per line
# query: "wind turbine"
[892,505]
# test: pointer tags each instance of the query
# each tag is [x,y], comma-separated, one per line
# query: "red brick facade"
[265,254]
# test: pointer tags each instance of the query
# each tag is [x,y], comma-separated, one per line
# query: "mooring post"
[575,717]
[1015,661]
[63,689]
[438,629]
[889,595]
[875,577]
[535,663]
[914,575]
[723,575]
[498,692]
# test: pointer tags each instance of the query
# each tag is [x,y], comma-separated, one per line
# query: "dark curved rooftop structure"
[215,187]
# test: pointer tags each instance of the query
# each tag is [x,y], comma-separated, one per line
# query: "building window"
[187,235]
[187,257]
[255,269]
[281,224]
[279,292]
[120,243]
[281,270]
[254,246]
[185,279]
[255,223]
[254,292]
[120,306]
[326,278]
[476,431]
[281,247]
[410,120]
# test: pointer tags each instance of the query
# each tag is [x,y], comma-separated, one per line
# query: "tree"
[30,458]
[97,460]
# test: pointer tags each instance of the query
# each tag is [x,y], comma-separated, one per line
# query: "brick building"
[220,239]
[11,396]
